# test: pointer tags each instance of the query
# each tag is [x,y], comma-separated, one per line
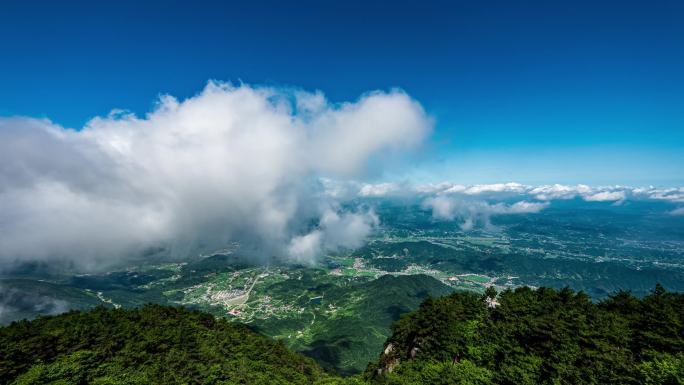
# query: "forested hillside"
[521,336]
[538,336]
[149,345]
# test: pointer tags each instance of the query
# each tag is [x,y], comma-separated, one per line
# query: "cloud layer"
[474,205]
[232,163]
[508,190]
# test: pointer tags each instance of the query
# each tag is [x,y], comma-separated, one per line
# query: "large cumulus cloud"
[232,163]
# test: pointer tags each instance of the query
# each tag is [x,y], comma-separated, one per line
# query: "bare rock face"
[413,352]
[392,364]
[491,302]
[388,361]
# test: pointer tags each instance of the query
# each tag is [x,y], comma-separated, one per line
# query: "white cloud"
[378,189]
[554,192]
[335,231]
[522,207]
[473,213]
[434,188]
[449,201]
[230,163]
[442,207]
[546,193]
[304,247]
[496,187]
[605,196]
[663,194]
[457,188]
[558,191]
[344,138]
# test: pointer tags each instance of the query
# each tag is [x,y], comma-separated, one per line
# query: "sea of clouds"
[544,193]
[473,205]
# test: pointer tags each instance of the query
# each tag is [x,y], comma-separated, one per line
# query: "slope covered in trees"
[149,345]
[523,336]
[538,336]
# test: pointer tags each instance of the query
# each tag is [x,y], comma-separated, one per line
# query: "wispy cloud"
[16,304]
[472,213]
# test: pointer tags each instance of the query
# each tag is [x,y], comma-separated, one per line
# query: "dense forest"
[149,345]
[521,336]
[538,336]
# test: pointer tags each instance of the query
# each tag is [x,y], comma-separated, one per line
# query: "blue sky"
[531,91]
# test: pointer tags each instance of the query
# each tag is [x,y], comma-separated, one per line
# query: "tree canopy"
[521,336]
[149,345]
[541,336]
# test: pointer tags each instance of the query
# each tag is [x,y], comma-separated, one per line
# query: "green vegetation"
[340,311]
[521,336]
[340,320]
[149,345]
[539,336]
[347,324]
